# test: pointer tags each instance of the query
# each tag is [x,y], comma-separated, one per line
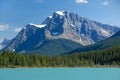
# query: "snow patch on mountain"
[60,13]
[50,16]
[39,26]
[72,25]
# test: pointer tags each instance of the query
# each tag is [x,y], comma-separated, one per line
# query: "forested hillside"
[107,58]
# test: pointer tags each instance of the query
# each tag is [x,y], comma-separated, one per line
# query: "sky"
[15,14]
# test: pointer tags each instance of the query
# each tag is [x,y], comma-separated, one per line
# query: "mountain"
[31,39]
[58,33]
[76,28]
[5,43]
[110,42]
[1,47]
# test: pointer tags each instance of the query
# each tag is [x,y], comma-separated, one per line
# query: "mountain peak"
[60,13]
[6,39]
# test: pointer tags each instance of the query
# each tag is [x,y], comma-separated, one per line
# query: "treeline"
[107,57]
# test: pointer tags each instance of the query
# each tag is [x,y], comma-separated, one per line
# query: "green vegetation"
[55,47]
[107,58]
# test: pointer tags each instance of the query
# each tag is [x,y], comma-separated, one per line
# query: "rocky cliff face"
[71,26]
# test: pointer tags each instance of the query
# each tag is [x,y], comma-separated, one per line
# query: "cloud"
[81,1]
[18,29]
[4,27]
[105,3]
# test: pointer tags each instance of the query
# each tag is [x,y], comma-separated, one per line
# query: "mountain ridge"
[109,42]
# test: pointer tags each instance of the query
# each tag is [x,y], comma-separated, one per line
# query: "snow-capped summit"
[60,13]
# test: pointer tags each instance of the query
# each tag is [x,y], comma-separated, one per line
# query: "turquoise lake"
[60,74]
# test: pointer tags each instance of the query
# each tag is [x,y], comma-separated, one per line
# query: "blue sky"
[15,14]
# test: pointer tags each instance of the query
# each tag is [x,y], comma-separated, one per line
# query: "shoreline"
[63,67]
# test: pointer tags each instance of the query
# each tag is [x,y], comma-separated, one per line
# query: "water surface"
[60,74]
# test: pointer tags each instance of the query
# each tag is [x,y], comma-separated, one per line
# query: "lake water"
[60,74]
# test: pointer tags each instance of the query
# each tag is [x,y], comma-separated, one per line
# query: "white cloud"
[4,27]
[105,3]
[18,29]
[81,1]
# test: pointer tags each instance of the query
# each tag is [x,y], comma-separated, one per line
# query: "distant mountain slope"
[4,43]
[112,41]
[61,25]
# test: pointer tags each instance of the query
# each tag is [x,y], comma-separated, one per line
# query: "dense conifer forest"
[102,58]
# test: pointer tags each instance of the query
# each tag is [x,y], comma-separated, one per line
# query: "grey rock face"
[76,28]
